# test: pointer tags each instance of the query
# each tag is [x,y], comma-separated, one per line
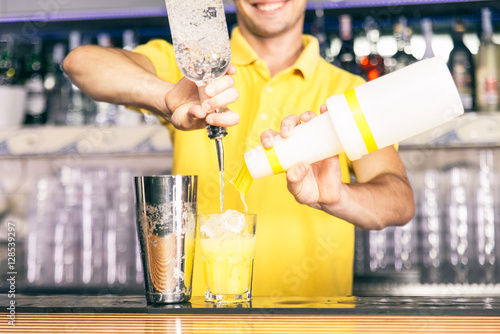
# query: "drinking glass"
[228,253]
[486,219]
[432,226]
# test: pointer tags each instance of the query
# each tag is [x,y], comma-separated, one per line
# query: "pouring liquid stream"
[242,183]
[220,158]
[221,177]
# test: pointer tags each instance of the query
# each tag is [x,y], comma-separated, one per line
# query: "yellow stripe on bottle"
[273,160]
[360,120]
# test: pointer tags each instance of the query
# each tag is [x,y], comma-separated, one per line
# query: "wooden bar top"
[204,323]
[131,314]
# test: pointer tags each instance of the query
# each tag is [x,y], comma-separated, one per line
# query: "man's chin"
[270,32]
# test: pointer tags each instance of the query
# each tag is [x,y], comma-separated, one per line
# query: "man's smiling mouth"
[268,7]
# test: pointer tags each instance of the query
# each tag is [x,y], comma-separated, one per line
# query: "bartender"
[306,218]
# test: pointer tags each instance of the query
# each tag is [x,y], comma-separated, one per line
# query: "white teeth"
[269,6]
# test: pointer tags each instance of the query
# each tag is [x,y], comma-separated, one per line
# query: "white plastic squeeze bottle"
[372,116]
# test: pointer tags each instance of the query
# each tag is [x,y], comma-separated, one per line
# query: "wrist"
[338,205]
[150,95]
[160,103]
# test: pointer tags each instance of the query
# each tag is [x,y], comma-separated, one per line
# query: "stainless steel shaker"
[166,227]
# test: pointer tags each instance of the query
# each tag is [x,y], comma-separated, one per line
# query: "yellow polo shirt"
[300,251]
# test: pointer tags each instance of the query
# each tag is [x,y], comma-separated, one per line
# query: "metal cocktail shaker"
[166,228]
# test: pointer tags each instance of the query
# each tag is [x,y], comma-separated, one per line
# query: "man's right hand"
[187,111]
[123,77]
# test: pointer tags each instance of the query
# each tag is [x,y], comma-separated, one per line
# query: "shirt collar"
[309,58]
[243,54]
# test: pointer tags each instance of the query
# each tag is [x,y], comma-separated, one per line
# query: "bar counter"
[131,314]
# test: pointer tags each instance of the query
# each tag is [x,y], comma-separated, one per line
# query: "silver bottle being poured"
[202,50]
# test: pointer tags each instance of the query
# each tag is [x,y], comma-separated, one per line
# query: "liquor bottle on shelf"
[372,66]
[34,70]
[58,87]
[403,57]
[487,68]
[129,40]
[9,64]
[12,91]
[346,59]
[461,64]
[428,36]
[318,31]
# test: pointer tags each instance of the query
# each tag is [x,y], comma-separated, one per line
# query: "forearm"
[117,76]
[384,201]
[383,196]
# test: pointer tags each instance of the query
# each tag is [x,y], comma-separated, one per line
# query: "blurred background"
[67,162]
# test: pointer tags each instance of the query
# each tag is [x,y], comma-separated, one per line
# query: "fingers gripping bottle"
[372,116]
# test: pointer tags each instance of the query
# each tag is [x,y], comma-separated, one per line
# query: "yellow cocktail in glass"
[228,250]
